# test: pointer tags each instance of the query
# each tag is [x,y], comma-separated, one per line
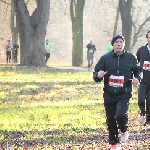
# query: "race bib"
[116,81]
[146,65]
[91,51]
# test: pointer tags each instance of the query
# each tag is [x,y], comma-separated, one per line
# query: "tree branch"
[5,2]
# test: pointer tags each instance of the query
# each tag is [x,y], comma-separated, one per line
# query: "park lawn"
[56,106]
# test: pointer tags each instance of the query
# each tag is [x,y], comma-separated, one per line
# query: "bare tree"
[116,21]
[76,12]
[5,19]
[13,26]
[140,26]
[125,7]
[32,31]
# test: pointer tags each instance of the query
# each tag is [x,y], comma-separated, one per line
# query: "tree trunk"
[13,27]
[76,12]
[116,21]
[125,10]
[32,31]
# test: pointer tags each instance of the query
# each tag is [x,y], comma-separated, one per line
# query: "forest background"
[99,20]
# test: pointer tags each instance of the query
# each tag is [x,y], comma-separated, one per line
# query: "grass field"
[42,108]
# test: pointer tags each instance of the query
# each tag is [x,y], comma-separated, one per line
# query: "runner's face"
[118,45]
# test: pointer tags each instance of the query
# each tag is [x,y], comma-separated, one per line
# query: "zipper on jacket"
[118,65]
[126,89]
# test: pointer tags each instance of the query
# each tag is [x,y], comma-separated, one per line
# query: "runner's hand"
[101,73]
[135,81]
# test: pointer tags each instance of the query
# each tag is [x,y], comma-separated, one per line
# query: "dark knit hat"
[115,38]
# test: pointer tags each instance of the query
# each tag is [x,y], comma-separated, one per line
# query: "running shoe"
[124,136]
[141,120]
[116,146]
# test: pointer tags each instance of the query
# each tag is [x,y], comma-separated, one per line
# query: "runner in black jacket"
[143,56]
[119,70]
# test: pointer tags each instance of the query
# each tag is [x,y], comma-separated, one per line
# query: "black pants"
[15,59]
[8,56]
[90,63]
[90,57]
[47,56]
[116,107]
[14,55]
[144,100]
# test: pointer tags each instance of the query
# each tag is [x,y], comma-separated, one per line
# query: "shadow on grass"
[13,90]
[56,138]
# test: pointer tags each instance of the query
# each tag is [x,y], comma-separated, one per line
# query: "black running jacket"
[124,65]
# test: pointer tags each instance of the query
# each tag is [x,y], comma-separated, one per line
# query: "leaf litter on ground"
[53,109]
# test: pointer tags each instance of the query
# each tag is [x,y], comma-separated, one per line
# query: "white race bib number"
[146,65]
[91,51]
[116,81]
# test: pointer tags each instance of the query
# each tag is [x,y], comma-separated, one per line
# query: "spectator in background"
[8,48]
[15,52]
[48,49]
[108,48]
[143,56]
[90,53]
